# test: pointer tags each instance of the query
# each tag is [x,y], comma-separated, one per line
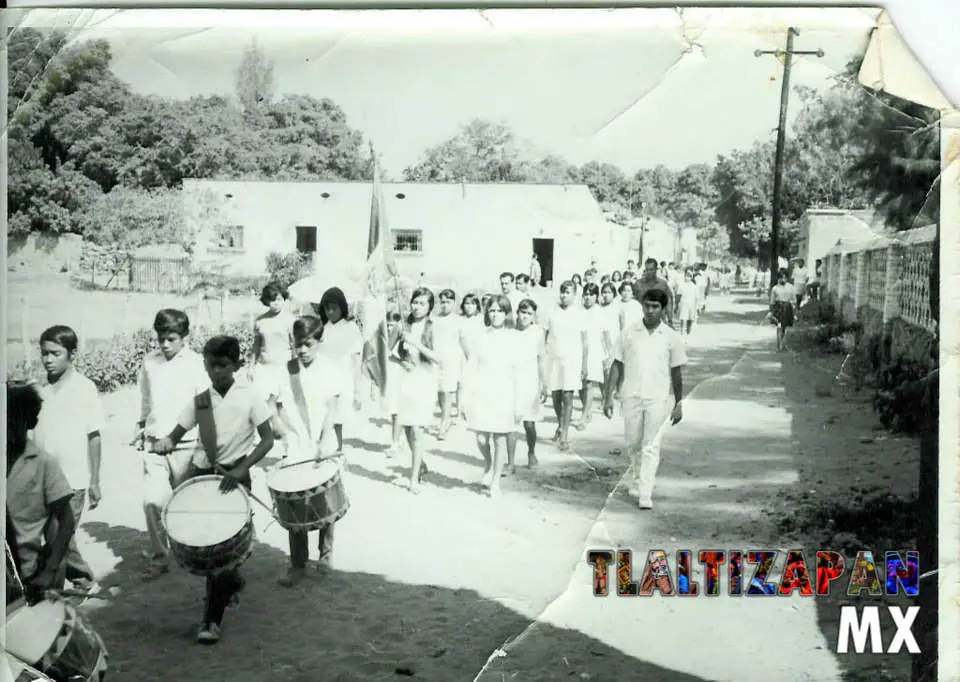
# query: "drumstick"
[107,594]
[223,472]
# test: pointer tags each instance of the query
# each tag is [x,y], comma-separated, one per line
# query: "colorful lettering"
[626,587]
[864,576]
[758,583]
[686,587]
[736,573]
[796,576]
[656,576]
[600,560]
[907,575]
[712,560]
[830,566]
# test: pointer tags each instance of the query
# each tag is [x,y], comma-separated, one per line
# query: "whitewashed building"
[466,233]
[821,229]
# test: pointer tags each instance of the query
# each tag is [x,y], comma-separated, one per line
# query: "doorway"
[543,250]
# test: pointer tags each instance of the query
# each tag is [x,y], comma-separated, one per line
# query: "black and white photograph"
[474,346]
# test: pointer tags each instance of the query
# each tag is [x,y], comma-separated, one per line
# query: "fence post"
[224,299]
[860,263]
[841,279]
[891,303]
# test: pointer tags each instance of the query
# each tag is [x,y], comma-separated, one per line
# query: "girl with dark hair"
[418,380]
[781,308]
[495,410]
[450,348]
[593,373]
[272,341]
[471,325]
[531,380]
[343,347]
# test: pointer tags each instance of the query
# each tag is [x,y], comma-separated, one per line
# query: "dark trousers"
[222,587]
[300,545]
[74,566]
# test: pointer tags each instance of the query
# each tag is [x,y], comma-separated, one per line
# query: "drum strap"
[206,427]
[296,386]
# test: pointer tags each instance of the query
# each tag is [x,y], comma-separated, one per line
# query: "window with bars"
[229,237]
[408,241]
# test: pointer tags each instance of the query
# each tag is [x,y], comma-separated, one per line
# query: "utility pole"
[787,57]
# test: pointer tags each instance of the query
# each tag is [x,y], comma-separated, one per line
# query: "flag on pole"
[381,271]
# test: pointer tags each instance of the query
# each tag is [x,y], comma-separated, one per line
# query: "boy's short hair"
[508,275]
[171,321]
[271,291]
[23,407]
[655,295]
[62,335]
[527,304]
[307,327]
[449,294]
[522,277]
[222,346]
[567,285]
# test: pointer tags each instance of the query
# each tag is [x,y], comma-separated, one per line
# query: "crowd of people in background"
[493,360]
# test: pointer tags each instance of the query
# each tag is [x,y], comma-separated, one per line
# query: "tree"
[481,151]
[254,79]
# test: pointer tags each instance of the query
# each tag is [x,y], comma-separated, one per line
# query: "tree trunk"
[925,663]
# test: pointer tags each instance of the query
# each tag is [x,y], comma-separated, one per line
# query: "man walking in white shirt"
[647,371]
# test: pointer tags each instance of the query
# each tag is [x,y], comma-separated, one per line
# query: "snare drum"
[308,496]
[21,672]
[210,532]
[54,638]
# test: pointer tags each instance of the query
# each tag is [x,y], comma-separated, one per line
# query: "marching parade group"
[491,360]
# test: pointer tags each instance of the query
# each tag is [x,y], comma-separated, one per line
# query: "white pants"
[644,425]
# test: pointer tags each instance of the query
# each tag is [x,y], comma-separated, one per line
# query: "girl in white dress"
[272,343]
[531,380]
[495,409]
[610,309]
[630,309]
[567,353]
[342,347]
[418,379]
[449,346]
[687,305]
[391,392]
[471,325]
[593,374]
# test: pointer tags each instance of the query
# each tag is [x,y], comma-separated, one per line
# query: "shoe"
[293,577]
[325,563]
[645,504]
[209,634]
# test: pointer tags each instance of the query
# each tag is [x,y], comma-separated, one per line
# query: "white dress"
[494,400]
[276,338]
[417,386]
[595,319]
[446,337]
[529,348]
[471,328]
[688,302]
[611,327]
[341,343]
[565,349]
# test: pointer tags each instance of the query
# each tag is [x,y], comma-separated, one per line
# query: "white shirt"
[515,297]
[564,332]
[318,389]
[167,385]
[276,337]
[800,277]
[647,359]
[446,334]
[71,412]
[236,417]
[342,341]
[630,312]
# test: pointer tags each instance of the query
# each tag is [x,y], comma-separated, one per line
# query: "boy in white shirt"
[229,416]
[647,367]
[305,417]
[170,377]
[68,429]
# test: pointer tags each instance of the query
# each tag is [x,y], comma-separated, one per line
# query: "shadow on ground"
[336,627]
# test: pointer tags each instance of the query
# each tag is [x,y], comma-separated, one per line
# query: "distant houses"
[455,232]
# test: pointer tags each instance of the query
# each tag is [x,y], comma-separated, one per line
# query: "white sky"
[407,80]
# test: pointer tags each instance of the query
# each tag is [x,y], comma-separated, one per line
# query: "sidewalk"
[731,454]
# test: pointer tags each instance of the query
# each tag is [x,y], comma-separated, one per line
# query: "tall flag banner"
[381,272]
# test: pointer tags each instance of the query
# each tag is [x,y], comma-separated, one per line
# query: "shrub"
[287,268]
[114,363]
[899,400]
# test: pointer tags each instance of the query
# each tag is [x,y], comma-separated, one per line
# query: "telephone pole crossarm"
[787,57]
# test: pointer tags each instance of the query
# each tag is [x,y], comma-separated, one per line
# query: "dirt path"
[430,586]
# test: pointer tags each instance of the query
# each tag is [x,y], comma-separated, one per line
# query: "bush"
[114,363]
[287,268]
[900,395]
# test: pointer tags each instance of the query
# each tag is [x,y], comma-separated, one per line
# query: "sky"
[633,87]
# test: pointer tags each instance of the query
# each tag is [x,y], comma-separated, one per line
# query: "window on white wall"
[229,237]
[408,241]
